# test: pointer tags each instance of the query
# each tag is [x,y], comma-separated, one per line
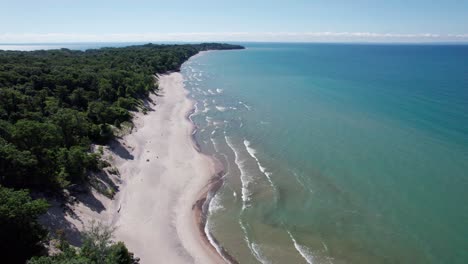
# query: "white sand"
[156,219]
[162,176]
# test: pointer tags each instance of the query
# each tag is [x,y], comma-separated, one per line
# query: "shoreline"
[184,219]
[161,179]
[201,205]
[164,185]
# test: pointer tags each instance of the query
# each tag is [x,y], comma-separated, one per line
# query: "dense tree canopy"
[53,105]
[20,233]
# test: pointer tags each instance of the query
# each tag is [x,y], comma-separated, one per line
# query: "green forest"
[53,105]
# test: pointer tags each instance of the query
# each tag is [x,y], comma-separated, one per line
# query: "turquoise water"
[336,153]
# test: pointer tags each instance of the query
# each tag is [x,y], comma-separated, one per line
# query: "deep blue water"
[336,152]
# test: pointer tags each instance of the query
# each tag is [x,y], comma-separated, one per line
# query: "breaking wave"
[252,153]
[303,250]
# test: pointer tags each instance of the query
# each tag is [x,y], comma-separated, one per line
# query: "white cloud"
[230,36]
[459,35]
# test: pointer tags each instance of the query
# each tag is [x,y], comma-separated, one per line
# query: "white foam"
[245,179]
[211,239]
[246,106]
[215,204]
[300,181]
[258,255]
[303,250]
[209,120]
[221,108]
[246,238]
[325,247]
[211,92]
[252,153]
[254,248]
[219,90]
[215,145]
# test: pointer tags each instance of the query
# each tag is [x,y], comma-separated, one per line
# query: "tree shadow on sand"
[120,150]
[88,199]
[61,216]
[149,103]
[56,221]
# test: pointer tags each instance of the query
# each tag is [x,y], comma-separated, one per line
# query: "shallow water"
[336,153]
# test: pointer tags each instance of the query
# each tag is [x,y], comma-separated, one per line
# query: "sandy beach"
[162,183]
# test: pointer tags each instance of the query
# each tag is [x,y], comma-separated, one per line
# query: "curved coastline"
[164,183]
[202,203]
[161,204]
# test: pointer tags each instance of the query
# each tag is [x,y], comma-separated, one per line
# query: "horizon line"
[286,37]
[179,42]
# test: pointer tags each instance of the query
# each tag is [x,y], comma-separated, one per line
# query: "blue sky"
[243,20]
